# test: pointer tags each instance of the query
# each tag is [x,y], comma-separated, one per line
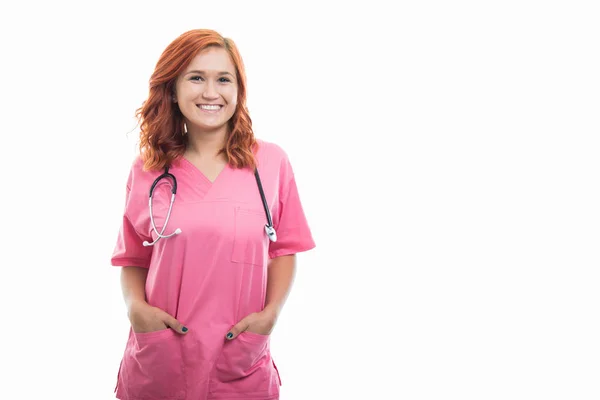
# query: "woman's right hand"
[145,318]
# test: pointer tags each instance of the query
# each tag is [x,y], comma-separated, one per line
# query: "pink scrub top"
[209,277]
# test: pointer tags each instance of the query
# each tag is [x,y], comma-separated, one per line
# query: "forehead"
[212,60]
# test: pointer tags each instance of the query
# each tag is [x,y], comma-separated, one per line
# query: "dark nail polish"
[229,335]
[184,329]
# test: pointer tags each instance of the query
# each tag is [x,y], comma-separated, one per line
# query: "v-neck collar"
[188,165]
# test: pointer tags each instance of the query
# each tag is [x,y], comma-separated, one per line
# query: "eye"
[196,78]
[223,79]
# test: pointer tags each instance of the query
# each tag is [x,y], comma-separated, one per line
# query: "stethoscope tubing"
[167,175]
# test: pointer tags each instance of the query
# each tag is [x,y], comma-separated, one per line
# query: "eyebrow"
[204,72]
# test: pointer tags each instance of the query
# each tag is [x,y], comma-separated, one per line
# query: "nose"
[210,91]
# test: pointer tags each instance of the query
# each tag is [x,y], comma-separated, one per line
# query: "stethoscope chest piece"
[271,233]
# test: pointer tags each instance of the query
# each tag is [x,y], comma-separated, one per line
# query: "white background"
[447,159]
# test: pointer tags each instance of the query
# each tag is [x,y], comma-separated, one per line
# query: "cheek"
[191,92]
[231,96]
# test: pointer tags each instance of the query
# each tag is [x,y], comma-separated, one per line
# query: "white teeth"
[209,107]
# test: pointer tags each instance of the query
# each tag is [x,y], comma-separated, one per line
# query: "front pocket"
[250,242]
[241,356]
[153,366]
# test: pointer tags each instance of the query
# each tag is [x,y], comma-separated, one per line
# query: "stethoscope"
[167,175]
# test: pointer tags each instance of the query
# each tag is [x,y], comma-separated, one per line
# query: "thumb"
[237,329]
[175,325]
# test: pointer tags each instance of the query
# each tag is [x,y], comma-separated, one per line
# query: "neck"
[205,144]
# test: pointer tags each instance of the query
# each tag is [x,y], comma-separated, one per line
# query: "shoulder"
[271,155]
[137,175]
[137,163]
[270,148]
[273,161]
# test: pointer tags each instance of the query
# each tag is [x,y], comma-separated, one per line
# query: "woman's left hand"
[261,323]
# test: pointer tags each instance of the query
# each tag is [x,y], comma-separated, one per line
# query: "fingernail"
[229,335]
[184,329]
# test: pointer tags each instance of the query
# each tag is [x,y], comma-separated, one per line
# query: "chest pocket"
[250,242]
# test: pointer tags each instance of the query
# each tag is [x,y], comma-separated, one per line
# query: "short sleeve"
[293,232]
[129,250]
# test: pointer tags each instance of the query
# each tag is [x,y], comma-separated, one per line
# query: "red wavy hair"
[160,120]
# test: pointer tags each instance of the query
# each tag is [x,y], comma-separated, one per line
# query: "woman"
[208,268]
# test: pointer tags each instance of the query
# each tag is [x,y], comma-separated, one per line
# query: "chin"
[210,127]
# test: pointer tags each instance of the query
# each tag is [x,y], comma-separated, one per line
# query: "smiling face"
[207,91]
